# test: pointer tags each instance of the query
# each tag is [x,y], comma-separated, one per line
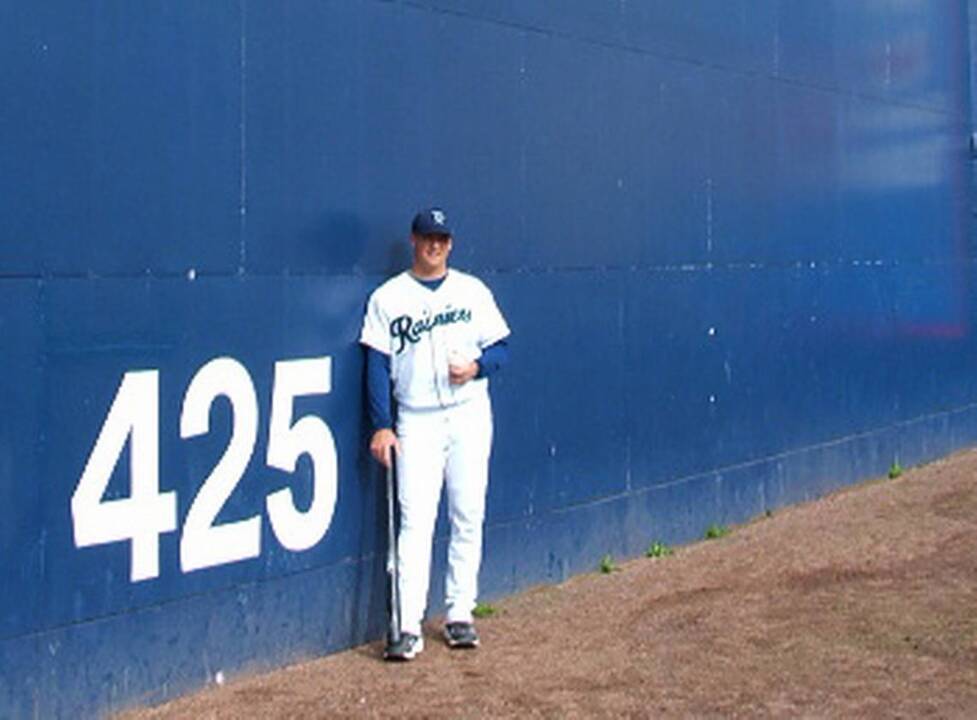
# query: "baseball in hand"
[460,368]
[457,361]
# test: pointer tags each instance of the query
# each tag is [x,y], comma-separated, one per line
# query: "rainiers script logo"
[408,330]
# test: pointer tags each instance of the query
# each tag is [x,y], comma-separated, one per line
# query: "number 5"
[287,441]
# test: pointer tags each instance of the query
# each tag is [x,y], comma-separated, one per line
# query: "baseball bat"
[392,555]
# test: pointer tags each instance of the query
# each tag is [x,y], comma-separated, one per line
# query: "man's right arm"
[378,388]
[379,405]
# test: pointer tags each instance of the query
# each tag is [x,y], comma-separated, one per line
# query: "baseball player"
[433,336]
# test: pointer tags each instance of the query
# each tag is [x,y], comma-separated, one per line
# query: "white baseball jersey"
[420,329]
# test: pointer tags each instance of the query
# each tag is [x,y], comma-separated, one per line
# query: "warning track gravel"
[863,603]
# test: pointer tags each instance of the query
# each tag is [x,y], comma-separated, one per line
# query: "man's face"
[431,251]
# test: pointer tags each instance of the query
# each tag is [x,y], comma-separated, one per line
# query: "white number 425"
[147,513]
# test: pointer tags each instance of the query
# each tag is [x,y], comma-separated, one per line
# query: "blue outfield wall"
[732,237]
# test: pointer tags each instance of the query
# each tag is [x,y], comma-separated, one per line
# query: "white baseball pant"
[450,447]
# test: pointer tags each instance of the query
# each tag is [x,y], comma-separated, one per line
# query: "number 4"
[146,513]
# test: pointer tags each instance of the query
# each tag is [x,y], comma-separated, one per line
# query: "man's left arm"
[493,334]
[493,358]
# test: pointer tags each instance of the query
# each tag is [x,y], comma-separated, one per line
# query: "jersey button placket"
[433,339]
[446,432]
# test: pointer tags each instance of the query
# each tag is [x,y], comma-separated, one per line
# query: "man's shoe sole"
[460,644]
[399,657]
[406,656]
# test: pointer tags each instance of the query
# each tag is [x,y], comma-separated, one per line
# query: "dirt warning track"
[863,604]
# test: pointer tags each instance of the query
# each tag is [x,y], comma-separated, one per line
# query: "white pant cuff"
[454,617]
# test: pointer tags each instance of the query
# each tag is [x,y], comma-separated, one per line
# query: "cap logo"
[438,216]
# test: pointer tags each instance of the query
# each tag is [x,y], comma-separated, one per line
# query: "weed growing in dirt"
[607,565]
[895,470]
[716,531]
[658,550]
[484,610]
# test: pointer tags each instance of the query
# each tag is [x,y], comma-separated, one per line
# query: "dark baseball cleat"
[461,635]
[404,649]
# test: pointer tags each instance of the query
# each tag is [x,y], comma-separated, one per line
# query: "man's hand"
[460,374]
[380,444]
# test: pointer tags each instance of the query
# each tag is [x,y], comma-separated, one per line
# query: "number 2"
[203,543]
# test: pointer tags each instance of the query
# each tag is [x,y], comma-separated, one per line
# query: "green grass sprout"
[484,610]
[658,550]
[715,531]
[607,565]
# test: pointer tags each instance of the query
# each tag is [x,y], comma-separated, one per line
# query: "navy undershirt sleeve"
[378,389]
[493,359]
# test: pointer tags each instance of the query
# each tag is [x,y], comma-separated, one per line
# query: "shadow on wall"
[339,242]
[368,596]
[398,257]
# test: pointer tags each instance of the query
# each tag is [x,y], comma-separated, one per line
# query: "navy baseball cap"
[432,221]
